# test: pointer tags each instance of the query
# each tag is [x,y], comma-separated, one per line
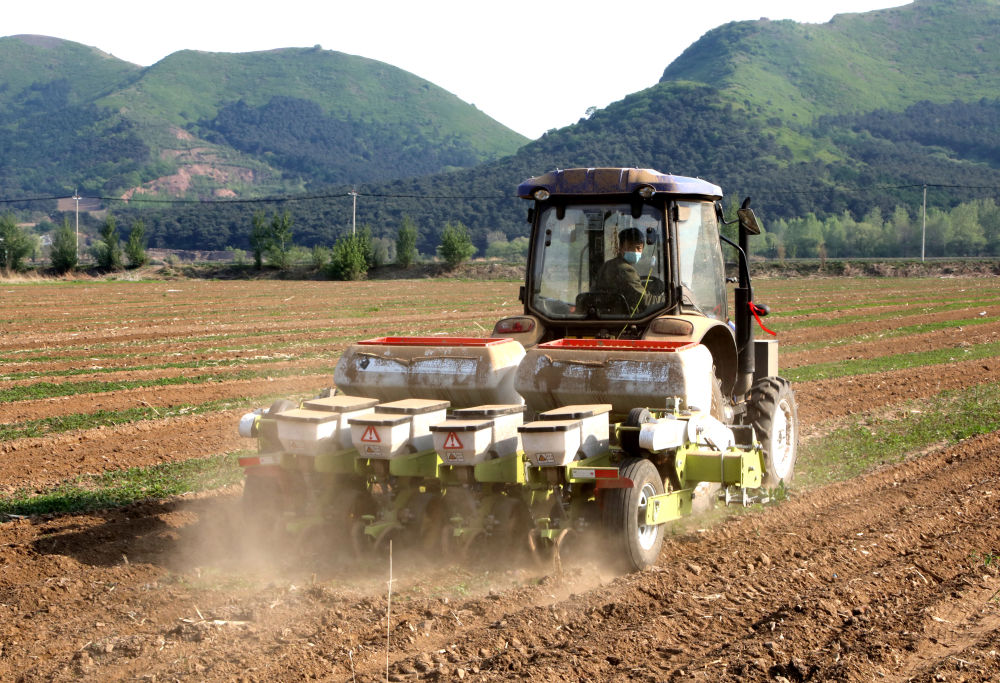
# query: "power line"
[255,200]
[382,195]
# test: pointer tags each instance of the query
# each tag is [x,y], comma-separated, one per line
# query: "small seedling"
[988,559]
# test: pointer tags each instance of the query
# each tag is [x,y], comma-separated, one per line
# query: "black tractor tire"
[775,419]
[624,516]
[630,439]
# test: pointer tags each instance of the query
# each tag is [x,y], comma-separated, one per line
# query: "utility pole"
[923,230]
[354,208]
[76,196]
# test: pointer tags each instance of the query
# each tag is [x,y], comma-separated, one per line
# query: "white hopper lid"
[304,415]
[576,412]
[490,410]
[550,426]
[461,425]
[413,406]
[340,404]
[379,420]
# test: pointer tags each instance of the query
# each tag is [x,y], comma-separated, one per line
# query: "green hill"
[803,117]
[204,124]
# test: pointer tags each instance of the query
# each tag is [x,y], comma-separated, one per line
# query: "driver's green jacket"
[618,276]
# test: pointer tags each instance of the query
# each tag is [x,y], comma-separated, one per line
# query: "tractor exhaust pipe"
[742,299]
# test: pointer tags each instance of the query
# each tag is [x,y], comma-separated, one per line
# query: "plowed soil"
[889,576]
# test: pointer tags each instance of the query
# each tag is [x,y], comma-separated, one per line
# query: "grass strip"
[895,314]
[905,331]
[180,365]
[124,487]
[109,418]
[913,427]
[41,390]
[929,303]
[914,361]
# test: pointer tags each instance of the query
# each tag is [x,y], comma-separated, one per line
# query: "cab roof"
[597,181]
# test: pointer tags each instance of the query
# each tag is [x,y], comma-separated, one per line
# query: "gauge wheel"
[637,543]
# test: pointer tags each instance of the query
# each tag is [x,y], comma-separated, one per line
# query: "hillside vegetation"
[201,124]
[849,116]
[829,120]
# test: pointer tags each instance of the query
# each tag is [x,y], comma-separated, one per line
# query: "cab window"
[579,271]
[699,255]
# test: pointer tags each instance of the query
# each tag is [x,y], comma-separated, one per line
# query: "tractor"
[625,396]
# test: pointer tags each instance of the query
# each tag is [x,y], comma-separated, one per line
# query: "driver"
[619,275]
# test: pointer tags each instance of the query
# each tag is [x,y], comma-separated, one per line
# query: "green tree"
[834,236]
[260,238]
[805,236]
[907,232]
[348,260]
[967,237]
[108,252]
[989,218]
[63,252]
[280,243]
[15,244]
[364,236]
[514,250]
[939,230]
[320,256]
[135,248]
[406,243]
[456,245]
[384,250]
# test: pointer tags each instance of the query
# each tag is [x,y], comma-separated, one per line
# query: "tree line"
[969,229]
[272,245]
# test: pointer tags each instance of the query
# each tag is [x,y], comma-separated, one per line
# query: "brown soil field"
[892,575]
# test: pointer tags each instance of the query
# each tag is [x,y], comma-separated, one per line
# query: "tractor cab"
[629,253]
[604,262]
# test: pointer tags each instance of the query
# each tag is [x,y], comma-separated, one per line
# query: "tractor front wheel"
[624,515]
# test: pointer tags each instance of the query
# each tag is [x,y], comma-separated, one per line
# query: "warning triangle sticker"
[452,442]
[370,435]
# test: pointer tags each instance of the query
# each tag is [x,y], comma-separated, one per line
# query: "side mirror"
[748,221]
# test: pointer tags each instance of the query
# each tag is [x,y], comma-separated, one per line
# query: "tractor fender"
[715,335]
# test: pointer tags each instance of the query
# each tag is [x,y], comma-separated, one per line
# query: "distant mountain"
[206,124]
[803,117]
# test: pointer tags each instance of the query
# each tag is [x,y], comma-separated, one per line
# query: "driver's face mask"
[632,257]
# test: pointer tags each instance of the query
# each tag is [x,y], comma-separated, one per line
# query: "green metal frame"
[668,507]
[734,467]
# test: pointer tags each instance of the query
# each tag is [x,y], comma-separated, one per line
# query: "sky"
[531,66]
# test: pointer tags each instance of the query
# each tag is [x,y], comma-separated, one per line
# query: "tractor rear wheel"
[625,515]
[775,419]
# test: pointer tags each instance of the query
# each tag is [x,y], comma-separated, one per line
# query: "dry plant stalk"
[388,610]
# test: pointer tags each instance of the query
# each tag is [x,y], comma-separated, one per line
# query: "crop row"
[302,335]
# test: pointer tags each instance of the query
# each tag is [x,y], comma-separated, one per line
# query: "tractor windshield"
[597,261]
[699,258]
